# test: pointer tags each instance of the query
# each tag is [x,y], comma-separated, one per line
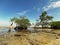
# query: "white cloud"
[52,5]
[22,13]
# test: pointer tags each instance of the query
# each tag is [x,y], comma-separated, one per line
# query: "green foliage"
[44,18]
[56,23]
[48,18]
[22,21]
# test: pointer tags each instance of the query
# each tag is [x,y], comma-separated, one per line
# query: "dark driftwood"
[17,35]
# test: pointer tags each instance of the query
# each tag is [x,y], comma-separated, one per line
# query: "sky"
[32,9]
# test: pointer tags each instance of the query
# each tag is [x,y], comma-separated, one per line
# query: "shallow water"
[5,30]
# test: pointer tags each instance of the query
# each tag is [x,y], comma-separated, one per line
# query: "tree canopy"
[44,18]
[22,21]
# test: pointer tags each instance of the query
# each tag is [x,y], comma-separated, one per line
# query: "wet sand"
[40,38]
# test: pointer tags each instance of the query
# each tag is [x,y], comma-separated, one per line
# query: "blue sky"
[32,9]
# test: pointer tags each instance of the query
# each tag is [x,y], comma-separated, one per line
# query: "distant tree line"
[55,25]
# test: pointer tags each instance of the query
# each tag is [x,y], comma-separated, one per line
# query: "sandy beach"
[40,38]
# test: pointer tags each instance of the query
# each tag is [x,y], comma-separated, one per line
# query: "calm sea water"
[5,30]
